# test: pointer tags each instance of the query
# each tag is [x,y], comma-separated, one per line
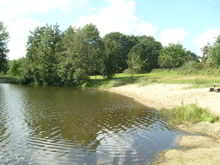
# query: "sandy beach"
[160,96]
[203,149]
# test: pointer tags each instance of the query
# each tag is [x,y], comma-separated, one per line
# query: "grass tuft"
[190,113]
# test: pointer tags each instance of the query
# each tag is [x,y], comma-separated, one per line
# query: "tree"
[214,53]
[191,57]
[117,46]
[173,56]
[4,36]
[82,55]
[16,67]
[112,58]
[43,51]
[205,51]
[143,57]
[94,49]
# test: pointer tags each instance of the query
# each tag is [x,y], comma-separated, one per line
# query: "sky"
[192,23]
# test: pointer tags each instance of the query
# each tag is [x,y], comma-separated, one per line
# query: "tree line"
[68,58]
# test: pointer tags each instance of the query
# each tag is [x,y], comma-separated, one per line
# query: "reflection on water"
[52,125]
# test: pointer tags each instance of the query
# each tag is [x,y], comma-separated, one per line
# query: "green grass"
[197,80]
[7,79]
[189,113]
[108,83]
[203,78]
[174,77]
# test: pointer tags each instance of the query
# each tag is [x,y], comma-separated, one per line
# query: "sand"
[203,149]
[160,96]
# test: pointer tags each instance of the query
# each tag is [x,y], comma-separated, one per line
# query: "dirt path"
[195,150]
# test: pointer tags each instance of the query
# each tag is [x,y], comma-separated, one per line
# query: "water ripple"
[66,126]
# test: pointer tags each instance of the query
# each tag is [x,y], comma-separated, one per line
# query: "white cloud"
[206,37]
[173,36]
[19,31]
[16,15]
[120,16]
[15,9]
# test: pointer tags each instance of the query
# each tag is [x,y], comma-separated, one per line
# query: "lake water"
[67,126]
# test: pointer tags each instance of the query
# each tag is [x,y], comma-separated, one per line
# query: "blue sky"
[193,23]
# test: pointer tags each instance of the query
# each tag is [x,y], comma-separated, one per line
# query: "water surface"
[65,126]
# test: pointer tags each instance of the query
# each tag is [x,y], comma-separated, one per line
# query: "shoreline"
[202,149]
[10,80]
[167,96]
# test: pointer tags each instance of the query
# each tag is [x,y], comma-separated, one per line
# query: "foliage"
[16,67]
[191,57]
[43,51]
[71,57]
[117,46]
[21,69]
[189,113]
[213,53]
[82,55]
[143,57]
[94,49]
[174,56]
[205,52]
[191,67]
[4,36]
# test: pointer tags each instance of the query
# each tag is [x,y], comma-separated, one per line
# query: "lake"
[67,126]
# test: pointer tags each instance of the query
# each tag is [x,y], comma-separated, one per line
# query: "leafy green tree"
[43,51]
[16,67]
[173,56]
[117,46]
[214,53]
[82,55]
[66,68]
[4,36]
[112,58]
[143,57]
[94,49]
[205,51]
[191,57]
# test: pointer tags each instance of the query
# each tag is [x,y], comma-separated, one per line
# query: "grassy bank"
[177,76]
[188,113]
[10,80]
[198,79]
[198,148]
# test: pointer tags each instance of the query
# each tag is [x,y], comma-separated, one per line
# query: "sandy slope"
[201,150]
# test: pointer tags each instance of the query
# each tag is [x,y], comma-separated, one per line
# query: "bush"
[174,56]
[191,67]
[143,57]
[198,68]
[16,67]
